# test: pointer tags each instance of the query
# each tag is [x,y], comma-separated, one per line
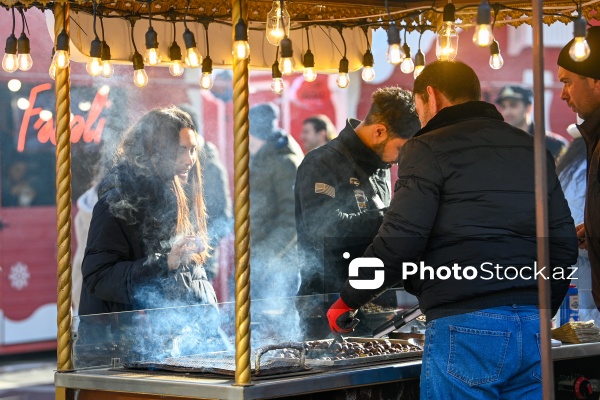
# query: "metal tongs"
[397,322]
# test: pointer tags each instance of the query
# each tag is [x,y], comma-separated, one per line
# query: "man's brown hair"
[394,108]
[454,79]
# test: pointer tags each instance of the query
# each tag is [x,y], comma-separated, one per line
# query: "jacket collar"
[590,130]
[364,156]
[461,112]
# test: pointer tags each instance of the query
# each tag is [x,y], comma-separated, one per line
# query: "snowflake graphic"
[19,276]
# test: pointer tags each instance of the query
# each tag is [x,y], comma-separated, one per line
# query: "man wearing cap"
[581,91]
[514,103]
[274,160]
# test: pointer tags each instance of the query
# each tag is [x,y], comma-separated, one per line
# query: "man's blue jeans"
[487,354]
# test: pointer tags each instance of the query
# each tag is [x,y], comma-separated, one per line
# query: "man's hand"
[341,317]
[581,236]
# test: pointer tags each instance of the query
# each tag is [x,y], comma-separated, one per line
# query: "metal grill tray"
[318,362]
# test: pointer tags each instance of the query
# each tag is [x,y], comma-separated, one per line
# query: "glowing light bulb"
[61,59]
[278,23]
[419,63]
[394,54]
[580,49]
[52,71]
[310,74]
[483,36]
[407,65]
[107,69]
[10,62]
[496,60]
[447,42]
[343,80]
[22,103]
[151,57]
[287,65]
[277,85]
[140,78]
[193,59]
[176,68]
[206,81]
[25,62]
[241,49]
[94,66]
[368,73]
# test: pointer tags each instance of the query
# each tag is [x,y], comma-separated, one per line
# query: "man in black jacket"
[581,91]
[343,188]
[461,234]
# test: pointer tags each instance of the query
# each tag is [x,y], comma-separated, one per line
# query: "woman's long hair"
[568,163]
[150,150]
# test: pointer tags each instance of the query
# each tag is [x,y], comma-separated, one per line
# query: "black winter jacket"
[125,263]
[341,192]
[466,194]
[590,131]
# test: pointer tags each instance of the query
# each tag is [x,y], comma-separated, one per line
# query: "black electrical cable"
[132,22]
[205,24]
[95,4]
[13,17]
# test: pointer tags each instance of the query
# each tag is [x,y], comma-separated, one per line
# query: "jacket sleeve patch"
[324,188]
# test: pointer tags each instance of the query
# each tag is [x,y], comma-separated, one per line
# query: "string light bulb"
[394,53]
[287,57]
[368,72]
[176,67]
[94,63]
[192,55]
[343,79]
[140,78]
[241,48]
[580,49]
[483,36]
[151,55]
[419,62]
[446,47]
[61,57]
[107,68]
[278,23]
[206,80]
[407,66]
[10,61]
[309,66]
[277,85]
[496,60]
[24,58]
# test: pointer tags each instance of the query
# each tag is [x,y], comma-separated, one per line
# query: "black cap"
[590,67]
[515,92]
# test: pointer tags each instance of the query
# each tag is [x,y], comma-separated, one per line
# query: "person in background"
[148,239]
[515,104]
[317,131]
[465,196]
[17,188]
[581,91]
[274,160]
[216,195]
[342,190]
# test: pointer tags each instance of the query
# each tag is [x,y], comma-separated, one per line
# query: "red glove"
[341,317]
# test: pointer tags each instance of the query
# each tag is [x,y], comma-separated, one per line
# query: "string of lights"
[277,28]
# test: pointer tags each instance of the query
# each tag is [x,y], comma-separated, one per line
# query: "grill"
[276,359]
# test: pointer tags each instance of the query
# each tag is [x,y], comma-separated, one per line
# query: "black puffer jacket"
[125,262]
[466,194]
[342,189]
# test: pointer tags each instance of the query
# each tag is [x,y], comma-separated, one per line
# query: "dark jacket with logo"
[342,189]
[125,263]
[590,131]
[466,194]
